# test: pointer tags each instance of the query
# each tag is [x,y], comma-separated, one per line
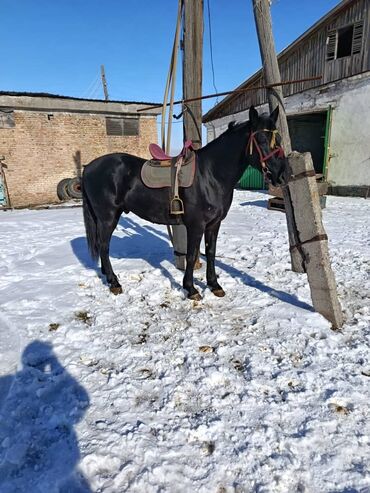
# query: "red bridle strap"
[277,150]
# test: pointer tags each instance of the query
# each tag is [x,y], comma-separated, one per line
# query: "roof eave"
[343,4]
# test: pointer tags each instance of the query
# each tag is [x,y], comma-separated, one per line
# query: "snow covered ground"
[150,392]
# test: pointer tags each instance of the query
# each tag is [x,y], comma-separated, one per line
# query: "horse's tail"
[90,224]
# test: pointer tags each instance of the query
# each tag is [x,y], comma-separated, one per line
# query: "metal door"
[252,179]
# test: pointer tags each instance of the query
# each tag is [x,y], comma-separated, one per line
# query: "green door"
[3,201]
[252,179]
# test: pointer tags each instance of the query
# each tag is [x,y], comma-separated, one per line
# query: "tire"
[74,188]
[62,189]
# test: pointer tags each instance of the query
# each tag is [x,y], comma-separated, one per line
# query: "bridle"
[276,150]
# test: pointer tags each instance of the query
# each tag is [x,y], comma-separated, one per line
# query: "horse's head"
[264,146]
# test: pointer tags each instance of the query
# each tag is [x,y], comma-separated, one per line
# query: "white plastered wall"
[349,163]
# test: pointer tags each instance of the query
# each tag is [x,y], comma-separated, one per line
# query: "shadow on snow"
[149,244]
[39,406]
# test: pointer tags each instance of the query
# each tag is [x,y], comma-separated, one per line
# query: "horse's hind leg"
[105,230]
[210,237]
[194,238]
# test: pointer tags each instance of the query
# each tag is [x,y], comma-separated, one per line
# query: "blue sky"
[57,46]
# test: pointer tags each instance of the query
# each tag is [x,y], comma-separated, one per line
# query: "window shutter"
[131,126]
[7,119]
[331,45]
[114,126]
[122,126]
[358,28]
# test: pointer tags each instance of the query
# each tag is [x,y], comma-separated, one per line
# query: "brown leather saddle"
[174,172]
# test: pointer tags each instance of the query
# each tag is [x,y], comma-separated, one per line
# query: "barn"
[327,115]
[45,138]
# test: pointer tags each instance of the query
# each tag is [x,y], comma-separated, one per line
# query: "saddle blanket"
[156,174]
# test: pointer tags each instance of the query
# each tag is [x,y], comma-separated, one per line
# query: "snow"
[151,392]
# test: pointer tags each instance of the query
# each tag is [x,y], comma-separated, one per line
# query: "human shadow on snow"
[39,406]
[150,244]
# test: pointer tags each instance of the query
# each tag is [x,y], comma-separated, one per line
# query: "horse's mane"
[233,127]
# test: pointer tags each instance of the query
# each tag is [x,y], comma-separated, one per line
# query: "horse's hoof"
[116,290]
[220,293]
[195,297]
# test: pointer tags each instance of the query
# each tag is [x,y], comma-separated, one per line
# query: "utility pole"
[307,237]
[192,70]
[104,82]
[192,88]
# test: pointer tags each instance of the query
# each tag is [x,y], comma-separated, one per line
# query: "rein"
[278,150]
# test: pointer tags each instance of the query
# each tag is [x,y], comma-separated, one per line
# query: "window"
[7,119]
[122,126]
[345,41]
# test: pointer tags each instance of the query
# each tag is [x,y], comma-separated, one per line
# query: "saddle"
[167,171]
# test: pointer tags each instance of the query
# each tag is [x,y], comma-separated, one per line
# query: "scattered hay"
[238,365]
[53,327]
[208,448]
[84,317]
[340,409]
[206,349]
[143,338]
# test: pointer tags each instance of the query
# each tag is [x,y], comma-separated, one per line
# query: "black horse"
[112,185]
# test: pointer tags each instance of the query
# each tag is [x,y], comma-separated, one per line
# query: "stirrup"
[176,206]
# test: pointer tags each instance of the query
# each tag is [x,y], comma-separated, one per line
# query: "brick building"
[45,138]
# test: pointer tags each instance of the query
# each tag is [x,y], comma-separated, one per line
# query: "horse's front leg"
[194,236]
[210,237]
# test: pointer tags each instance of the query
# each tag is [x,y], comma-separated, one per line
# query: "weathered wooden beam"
[271,73]
[307,238]
[192,88]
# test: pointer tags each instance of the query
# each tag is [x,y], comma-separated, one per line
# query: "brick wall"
[43,148]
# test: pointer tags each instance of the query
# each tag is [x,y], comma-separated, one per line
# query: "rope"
[211,47]
[235,91]
[171,77]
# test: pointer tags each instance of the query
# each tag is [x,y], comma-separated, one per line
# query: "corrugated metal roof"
[57,96]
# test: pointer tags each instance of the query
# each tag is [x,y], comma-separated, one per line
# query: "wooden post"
[104,82]
[307,238]
[192,88]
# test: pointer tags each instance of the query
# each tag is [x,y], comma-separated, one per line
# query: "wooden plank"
[308,219]
[276,204]
[308,241]
[322,188]
[262,15]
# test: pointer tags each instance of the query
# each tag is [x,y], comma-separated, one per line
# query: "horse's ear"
[253,116]
[231,125]
[275,114]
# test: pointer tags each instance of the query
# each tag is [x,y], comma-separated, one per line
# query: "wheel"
[74,188]
[62,189]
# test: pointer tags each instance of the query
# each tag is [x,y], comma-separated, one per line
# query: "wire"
[92,84]
[167,122]
[96,90]
[211,48]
